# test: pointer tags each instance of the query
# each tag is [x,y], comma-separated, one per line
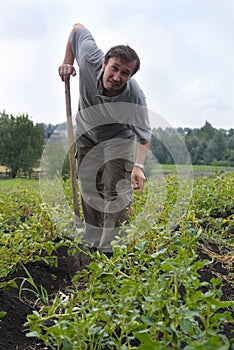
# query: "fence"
[35,174]
[4,174]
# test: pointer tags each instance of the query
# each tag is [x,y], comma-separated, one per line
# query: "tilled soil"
[53,279]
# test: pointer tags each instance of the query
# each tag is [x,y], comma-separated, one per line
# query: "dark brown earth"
[12,331]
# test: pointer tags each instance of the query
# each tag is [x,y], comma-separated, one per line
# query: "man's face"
[116,74]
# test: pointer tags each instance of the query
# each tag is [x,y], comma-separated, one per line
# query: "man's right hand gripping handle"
[65,71]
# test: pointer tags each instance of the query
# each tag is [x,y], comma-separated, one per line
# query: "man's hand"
[138,178]
[65,71]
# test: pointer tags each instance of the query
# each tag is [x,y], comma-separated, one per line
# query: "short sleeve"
[84,47]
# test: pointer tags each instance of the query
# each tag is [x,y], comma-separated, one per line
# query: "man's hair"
[126,53]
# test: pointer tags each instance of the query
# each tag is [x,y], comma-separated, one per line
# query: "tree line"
[22,143]
[206,145]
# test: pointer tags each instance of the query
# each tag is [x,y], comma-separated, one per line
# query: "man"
[111,112]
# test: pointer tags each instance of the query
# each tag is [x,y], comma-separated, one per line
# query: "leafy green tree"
[158,146]
[218,146]
[207,131]
[47,129]
[21,143]
[229,151]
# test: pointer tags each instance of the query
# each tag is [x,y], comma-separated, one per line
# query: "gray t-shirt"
[100,117]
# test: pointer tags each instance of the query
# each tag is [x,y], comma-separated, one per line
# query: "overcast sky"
[186,50]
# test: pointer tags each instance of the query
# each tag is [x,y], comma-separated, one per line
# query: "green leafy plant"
[27,233]
[149,294]
[2,314]
[39,292]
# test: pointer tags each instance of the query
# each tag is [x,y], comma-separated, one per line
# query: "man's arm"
[138,177]
[67,69]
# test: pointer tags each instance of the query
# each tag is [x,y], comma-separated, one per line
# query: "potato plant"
[26,231]
[150,294]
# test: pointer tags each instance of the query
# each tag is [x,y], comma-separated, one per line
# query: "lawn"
[197,170]
[11,183]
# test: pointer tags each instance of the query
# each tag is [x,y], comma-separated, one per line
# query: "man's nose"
[117,76]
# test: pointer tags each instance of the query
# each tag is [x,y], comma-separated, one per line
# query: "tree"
[207,131]
[21,143]
[158,147]
[219,145]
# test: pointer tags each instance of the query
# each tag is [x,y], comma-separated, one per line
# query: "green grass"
[6,184]
[11,183]
[197,169]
